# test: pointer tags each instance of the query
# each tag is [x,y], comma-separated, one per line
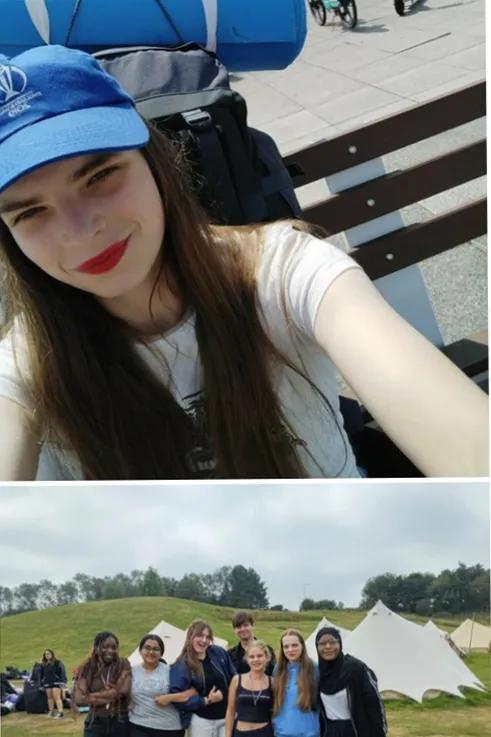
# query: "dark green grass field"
[69,632]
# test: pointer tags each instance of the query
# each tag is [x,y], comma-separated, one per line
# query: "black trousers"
[96,726]
[136,730]
[339,728]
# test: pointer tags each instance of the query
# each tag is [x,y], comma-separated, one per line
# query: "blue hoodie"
[292,721]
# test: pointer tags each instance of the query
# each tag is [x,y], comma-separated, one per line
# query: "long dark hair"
[44,659]
[95,393]
[94,664]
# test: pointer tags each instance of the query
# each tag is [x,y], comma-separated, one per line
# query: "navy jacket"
[182,678]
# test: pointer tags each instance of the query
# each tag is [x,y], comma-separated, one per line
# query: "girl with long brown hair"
[53,680]
[103,682]
[143,342]
[295,689]
[208,669]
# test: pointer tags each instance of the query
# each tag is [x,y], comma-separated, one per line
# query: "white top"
[294,272]
[336,705]
[145,686]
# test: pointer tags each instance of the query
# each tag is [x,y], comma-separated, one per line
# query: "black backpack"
[186,92]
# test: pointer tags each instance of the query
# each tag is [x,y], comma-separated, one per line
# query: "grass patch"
[69,631]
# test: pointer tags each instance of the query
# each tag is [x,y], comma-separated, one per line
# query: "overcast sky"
[317,540]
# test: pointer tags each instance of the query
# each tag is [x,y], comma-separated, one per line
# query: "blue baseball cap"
[57,102]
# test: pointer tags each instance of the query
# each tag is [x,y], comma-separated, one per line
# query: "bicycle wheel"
[399,6]
[347,13]
[318,10]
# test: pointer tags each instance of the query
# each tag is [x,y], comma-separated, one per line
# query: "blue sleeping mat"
[247,35]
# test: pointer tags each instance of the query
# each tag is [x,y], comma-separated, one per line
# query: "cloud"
[320,539]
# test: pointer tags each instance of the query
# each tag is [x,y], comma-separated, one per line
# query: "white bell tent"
[310,641]
[408,659]
[471,635]
[173,638]
[432,626]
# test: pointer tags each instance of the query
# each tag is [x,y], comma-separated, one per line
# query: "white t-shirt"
[294,272]
[145,686]
[336,705]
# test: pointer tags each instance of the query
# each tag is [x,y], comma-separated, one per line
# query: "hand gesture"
[215,696]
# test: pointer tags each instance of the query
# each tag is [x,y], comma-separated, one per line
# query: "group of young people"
[143,341]
[212,692]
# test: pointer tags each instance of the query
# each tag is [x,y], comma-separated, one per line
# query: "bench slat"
[398,189]
[469,355]
[416,242]
[376,139]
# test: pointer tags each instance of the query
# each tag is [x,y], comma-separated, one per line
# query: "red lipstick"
[105,260]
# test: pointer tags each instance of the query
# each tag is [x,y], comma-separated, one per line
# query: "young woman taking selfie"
[143,342]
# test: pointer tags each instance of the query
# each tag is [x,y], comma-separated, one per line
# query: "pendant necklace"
[256,695]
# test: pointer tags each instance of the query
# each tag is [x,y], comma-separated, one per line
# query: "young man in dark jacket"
[243,624]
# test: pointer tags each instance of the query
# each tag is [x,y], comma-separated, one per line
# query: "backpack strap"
[213,163]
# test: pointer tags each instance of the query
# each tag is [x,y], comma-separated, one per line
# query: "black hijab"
[334,675]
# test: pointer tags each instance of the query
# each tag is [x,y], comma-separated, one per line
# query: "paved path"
[344,79]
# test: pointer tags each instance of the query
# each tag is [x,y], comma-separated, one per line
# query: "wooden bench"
[365,200]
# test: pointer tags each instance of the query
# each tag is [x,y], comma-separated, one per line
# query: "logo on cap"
[13,82]
[13,99]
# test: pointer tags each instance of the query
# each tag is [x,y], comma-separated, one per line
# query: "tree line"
[310,604]
[233,586]
[463,590]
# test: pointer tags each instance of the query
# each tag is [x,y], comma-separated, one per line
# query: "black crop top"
[254,706]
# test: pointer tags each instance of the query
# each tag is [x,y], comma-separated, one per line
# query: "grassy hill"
[69,630]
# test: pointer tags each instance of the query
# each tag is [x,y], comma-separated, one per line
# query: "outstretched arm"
[429,408]
[19,447]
